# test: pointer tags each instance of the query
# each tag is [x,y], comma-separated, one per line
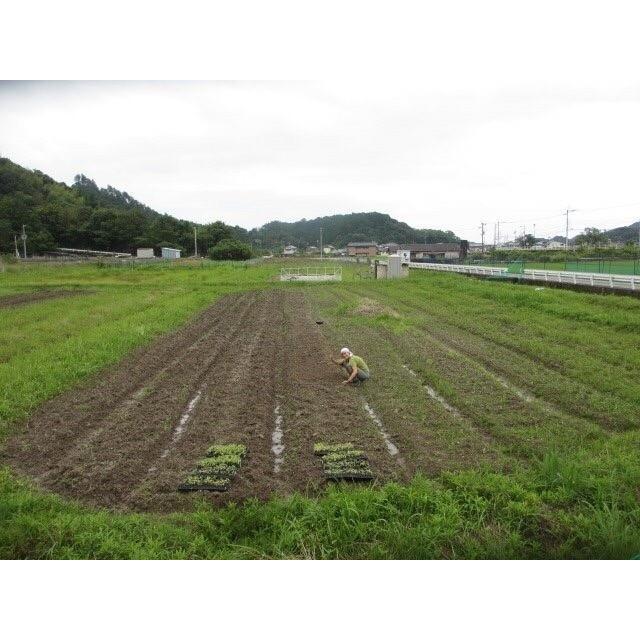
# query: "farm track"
[22,299]
[126,439]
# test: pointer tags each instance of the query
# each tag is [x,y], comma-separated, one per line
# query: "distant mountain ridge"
[85,216]
[624,234]
[340,229]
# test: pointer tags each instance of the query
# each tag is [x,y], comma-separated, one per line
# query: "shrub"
[230,250]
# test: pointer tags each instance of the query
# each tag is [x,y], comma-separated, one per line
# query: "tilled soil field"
[251,361]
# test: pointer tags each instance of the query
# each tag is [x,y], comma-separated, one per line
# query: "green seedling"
[338,465]
[215,472]
[227,449]
[229,459]
[341,456]
[350,474]
[343,462]
[204,483]
[322,448]
[220,471]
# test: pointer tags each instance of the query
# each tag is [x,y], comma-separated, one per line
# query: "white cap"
[345,351]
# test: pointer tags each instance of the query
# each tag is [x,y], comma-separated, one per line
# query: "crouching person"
[356,368]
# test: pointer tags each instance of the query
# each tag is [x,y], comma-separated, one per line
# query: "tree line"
[85,216]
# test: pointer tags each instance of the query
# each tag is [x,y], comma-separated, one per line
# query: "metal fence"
[311,274]
[595,280]
[600,264]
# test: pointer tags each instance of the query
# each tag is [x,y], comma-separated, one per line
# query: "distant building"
[170,253]
[312,249]
[144,253]
[390,248]
[329,249]
[438,251]
[290,250]
[362,249]
[554,244]
[476,247]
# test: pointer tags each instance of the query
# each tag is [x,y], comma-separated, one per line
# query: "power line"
[615,206]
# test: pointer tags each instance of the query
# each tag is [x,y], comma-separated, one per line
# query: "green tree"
[527,240]
[230,250]
[592,237]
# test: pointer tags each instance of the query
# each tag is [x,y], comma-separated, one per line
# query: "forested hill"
[85,216]
[624,234]
[338,230]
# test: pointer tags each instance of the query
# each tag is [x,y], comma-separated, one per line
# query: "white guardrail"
[609,281]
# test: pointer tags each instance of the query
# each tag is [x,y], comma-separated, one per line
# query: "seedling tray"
[322,448]
[364,476]
[343,462]
[217,470]
[227,449]
[204,483]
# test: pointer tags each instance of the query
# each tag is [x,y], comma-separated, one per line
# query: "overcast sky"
[247,153]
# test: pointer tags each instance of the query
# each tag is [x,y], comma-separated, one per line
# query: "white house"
[144,253]
[170,253]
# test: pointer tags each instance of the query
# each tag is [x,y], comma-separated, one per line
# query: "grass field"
[515,413]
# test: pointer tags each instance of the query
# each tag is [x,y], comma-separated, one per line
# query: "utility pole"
[321,252]
[534,230]
[498,231]
[24,242]
[482,233]
[15,244]
[494,236]
[195,241]
[566,235]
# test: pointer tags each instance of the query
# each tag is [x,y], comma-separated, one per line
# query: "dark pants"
[361,375]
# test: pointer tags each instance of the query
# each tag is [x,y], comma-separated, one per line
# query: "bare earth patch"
[20,299]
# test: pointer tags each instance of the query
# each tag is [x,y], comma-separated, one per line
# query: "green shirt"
[358,362]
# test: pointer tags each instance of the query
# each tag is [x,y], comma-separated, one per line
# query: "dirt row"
[127,438]
[21,299]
